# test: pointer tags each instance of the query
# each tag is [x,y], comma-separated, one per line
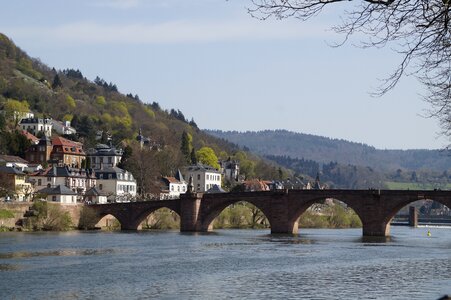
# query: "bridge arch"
[167,218]
[403,203]
[208,216]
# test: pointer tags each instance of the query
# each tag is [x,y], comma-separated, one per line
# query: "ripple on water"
[63,252]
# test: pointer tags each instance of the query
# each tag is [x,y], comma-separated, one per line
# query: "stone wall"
[19,209]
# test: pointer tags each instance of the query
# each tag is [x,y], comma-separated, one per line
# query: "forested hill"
[325,150]
[27,84]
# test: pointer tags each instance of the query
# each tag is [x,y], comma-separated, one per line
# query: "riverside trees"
[419,30]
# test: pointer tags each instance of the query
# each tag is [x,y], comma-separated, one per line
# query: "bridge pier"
[375,228]
[413,216]
[189,212]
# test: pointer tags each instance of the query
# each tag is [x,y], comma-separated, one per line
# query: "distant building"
[104,156]
[147,142]
[63,128]
[13,161]
[204,177]
[67,153]
[39,153]
[230,169]
[117,183]
[77,180]
[36,125]
[60,194]
[12,182]
[93,195]
[173,186]
[33,140]
[255,185]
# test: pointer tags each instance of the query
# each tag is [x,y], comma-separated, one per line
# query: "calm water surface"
[244,264]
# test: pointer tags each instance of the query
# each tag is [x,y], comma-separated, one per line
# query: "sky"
[227,70]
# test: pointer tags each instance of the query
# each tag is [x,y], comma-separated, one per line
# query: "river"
[240,264]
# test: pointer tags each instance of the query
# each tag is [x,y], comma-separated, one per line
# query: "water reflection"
[64,252]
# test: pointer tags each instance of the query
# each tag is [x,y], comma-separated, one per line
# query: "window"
[54,198]
[49,179]
[110,160]
[100,186]
[110,176]
[39,181]
[172,188]
[178,188]
[198,176]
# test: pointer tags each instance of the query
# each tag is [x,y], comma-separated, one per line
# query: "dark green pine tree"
[56,82]
[186,146]
[193,157]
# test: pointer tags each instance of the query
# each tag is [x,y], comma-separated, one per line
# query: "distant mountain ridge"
[325,150]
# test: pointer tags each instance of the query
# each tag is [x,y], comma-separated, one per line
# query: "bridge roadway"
[282,208]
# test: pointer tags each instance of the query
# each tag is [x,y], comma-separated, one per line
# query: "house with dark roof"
[59,194]
[204,177]
[13,161]
[13,184]
[93,195]
[103,156]
[118,184]
[39,153]
[77,180]
[36,125]
[172,187]
[230,169]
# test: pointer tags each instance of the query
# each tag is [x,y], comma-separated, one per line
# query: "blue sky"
[227,70]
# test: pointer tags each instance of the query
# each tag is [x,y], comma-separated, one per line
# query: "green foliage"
[88,218]
[6,214]
[186,146]
[163,218]
[56,82]
[392,185]
[49,217]
[13,143]
[332,216]
[70,102]
[207,156]
[15,109]
[149,112]
[100,100]
[241,215]
[68,117]
[247,166]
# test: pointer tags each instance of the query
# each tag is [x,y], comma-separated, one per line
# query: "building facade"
[39,153]
[173,186]
[63,128]
[104,156]
[13,184]
[36,125]
[204,177]
[118,184]
[67,153]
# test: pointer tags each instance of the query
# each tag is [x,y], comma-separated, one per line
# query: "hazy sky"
[228,71]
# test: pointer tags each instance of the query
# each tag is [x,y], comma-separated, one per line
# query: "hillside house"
[173,186]
[39,153]
[204,177]
[67,153]
[63,128]
[14,162]
[103,156]
[59,194]
[94,196]
[230,169]
[118,184]
[77,180]
[36,125]
[13,184]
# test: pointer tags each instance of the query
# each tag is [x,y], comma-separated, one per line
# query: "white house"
[63,127]
[60,194]
[118,184]
[204,177]
[93,195]
[173,186]
[104,156]
[77,180]
[35,125]
[13,161]
[230,169]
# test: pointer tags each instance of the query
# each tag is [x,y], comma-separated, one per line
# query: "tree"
[56,82]
[16,109]
[207,156]
[186,146]
[419,30]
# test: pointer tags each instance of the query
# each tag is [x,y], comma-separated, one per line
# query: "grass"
[6,214]
[392,185]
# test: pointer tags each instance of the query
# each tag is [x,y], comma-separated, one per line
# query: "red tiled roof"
[29,136]
[60,141]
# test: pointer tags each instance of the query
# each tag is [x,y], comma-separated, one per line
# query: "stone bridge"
[197,211]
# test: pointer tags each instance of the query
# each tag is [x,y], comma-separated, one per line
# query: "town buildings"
[67,153]
[204,177]
[39,153]
[37,125]
[173,186]
[117,183]
[103,156]
[13,184]
[63,128]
